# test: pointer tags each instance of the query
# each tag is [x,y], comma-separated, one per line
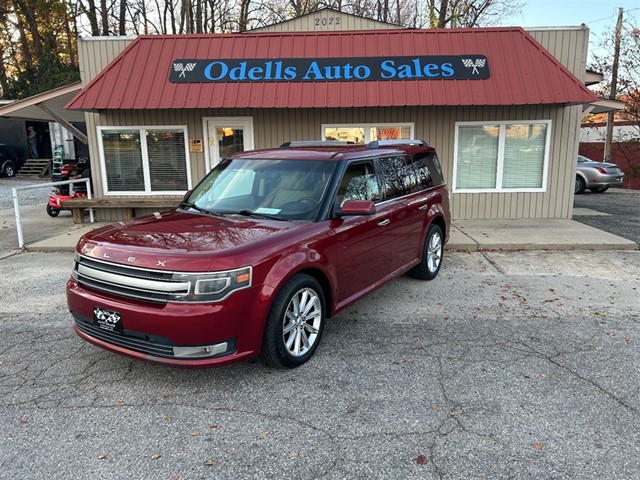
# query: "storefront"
[502,110]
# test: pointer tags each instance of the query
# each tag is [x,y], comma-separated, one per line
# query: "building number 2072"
[327,22]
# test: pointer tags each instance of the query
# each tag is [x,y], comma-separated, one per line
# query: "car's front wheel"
[9,170]
[295,323]
[580,185]
[432,251]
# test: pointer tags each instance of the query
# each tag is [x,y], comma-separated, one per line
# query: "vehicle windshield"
[277,189]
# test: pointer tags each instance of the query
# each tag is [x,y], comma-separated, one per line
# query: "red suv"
[265,248]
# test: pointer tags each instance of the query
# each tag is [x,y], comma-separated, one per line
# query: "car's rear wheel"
[580,185]
[52,211]
[432,251]
[295,323]
[599,189]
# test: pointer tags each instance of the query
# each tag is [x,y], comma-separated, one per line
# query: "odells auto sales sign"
[435,67]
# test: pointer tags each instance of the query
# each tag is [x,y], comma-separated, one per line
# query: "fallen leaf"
[168,418]
[119,402]
[155,456]
[537,446]
[101,456]
[265,434]
[194,433]
[293,455]
[23,420]
[421,460]
[211,462]
[213,426]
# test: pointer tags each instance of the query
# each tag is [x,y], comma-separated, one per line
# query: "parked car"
[596,176]
[10,161]
[265,248]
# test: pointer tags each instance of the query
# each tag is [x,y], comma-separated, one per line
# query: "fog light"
[202,351]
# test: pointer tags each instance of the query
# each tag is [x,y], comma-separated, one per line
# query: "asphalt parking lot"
[508,365]
[621,209]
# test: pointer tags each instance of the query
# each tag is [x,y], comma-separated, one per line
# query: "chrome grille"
[137,283]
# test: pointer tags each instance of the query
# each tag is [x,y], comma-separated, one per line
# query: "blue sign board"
[433,67]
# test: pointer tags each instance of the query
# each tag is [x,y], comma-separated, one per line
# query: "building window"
[365,133]
[147,160]
[501,156]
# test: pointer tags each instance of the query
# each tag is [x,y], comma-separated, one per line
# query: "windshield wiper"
[249,213]
[187,206]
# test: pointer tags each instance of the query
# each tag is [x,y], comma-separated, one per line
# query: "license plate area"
[107,320]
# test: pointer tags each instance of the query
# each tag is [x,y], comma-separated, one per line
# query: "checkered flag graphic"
[479,62]
[179,67]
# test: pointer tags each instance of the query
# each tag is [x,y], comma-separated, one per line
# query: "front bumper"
[150,332]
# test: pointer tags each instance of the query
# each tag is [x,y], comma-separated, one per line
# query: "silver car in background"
[596,176]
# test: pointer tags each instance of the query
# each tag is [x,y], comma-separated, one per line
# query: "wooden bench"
[127,205]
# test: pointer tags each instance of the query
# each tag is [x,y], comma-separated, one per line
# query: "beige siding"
[569,46]
[96,52]
[436,125]
[326,20]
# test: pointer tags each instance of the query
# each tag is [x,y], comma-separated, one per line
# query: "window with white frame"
[139,160]
[368,132]
[501,156]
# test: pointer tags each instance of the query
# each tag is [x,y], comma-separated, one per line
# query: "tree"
[627,147]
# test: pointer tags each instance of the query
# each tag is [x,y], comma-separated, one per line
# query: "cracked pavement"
[508,365]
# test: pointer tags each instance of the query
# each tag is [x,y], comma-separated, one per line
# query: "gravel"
[37,196]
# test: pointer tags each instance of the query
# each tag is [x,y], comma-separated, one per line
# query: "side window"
[359,183]
[404,175]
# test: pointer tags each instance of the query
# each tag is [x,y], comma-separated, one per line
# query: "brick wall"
[626,155]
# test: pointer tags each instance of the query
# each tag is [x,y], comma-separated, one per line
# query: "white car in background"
[596,176]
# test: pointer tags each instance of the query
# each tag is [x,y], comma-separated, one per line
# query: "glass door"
[226,136]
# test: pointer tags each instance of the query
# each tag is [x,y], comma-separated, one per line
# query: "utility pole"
[614,87]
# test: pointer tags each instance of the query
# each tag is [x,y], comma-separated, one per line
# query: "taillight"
[601,170]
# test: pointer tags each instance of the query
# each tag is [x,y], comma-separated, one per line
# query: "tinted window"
[404,175]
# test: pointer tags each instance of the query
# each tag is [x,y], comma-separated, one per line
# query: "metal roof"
[45,107]
[522,72]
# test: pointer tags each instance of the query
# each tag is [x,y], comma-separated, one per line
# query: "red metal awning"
[522,72]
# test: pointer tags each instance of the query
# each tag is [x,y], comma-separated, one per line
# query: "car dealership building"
[502,106]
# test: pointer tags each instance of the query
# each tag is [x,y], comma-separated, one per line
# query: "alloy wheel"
[301,322]
[434,252]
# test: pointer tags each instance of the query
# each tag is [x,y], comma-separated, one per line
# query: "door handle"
[423,207]
[384,222]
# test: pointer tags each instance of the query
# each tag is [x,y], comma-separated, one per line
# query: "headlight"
[219,285]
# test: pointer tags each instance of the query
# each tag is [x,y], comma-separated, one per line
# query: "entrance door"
[227,135]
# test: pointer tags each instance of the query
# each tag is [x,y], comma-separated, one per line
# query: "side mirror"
[356,207]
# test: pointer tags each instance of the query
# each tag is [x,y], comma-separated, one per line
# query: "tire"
[291,340]
[52,211]
[599,189]
[9,170]
[432,253]
[580,185]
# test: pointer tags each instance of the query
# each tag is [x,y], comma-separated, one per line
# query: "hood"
[177,241]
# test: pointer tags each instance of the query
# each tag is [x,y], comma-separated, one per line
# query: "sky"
[599,15]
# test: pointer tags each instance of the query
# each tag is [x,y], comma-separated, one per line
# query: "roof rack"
[400,141]
[315,143]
